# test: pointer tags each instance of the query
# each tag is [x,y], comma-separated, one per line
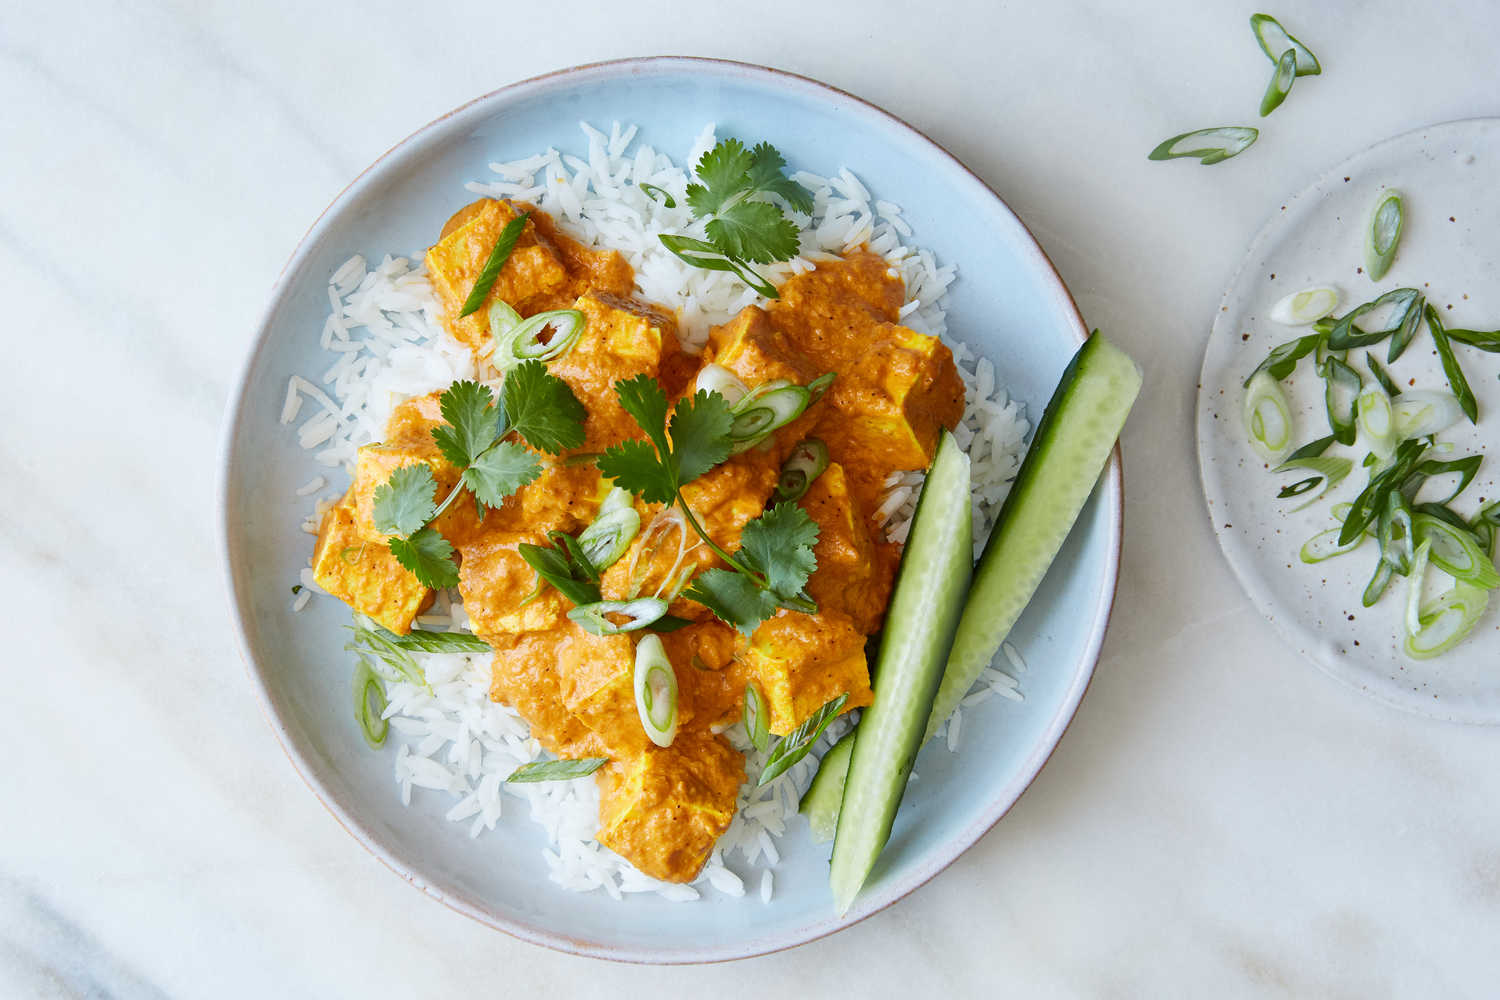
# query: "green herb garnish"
[1281,82]
[775,557]
[537,406]
[556,770]
[1275,42]
[1456,380]
[1383,235]
[491,270]
[369,705]
[1484,340]
[744,226]
[658,194]
[1208,145]
[795,745]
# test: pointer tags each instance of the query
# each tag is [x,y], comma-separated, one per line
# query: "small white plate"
[1450,249]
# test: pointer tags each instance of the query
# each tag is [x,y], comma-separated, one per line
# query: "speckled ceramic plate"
[1450,249]
[1008,302]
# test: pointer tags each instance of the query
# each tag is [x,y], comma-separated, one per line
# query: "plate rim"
[1259,597]
[1110,492]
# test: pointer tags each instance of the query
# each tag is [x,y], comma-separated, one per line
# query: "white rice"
[386,343]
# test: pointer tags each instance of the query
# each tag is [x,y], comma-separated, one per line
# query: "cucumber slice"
[821,803]
[930,586]
[1067,453]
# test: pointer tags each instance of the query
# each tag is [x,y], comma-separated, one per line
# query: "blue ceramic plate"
[1008,303]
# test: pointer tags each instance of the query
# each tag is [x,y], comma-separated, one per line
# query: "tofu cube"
[533,269]
[596,676]
[497,584]
[363,573]
[802,662]
[663,809]
[621,338]
[523,675]
[854,573]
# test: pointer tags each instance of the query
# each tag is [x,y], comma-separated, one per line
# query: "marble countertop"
[1221,818]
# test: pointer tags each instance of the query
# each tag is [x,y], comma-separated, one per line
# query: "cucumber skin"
[920,624]
[997,597]
[821,803]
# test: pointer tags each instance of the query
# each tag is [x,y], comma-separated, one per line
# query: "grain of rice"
[765,886]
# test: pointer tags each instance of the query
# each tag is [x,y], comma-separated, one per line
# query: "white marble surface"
[1221,819]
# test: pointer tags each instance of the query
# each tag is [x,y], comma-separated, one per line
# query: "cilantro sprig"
[534,405]
[744,225]
[775,557]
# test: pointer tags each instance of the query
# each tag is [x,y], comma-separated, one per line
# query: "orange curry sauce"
[663,808]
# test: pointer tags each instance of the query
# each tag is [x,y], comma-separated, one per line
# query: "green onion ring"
[655,691]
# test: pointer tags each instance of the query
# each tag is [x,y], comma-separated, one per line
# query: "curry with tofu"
[662,807]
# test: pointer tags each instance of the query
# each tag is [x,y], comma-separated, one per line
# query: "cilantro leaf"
[473,422]
[499,472]
[634,466]
[429,557]
[542,408]
[734,597]
[754,230]
[404,502]
[765,174]
[780,543]
[700,434]
[725,172]
[646,402]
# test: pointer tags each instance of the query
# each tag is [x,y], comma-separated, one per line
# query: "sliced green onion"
[652,192]
[1403,326]
[795,745]
[1282,360]
[1456,380]
[757,718]
[1325,545]
[701,253]
[503,319]
[369,705]
[820,385]
[1298,488]
[655,691]
[580,566]
[1274,41]
[1394,532]
[1341,385]
[1371,501]
[1415,582]
[1378,583]
[1456,552]
[1422,413]
[1405,312]
[491,270]
[1332,469]
[1208,145]
[1467,468]
[1446,621]
[1281,82]
[1312,449]
[422,640]
[1383,236]
[1306,307]
[807,462]
[1268,417]
[1484,340]
[524,341]
[390,660]
[717,378]
[767,408]
[1376,423]
[617,499]
[556,770]
[607,539]
[557,569]
[1381,376]
[637,614]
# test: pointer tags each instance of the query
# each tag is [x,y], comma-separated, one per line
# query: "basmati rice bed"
[386,343]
